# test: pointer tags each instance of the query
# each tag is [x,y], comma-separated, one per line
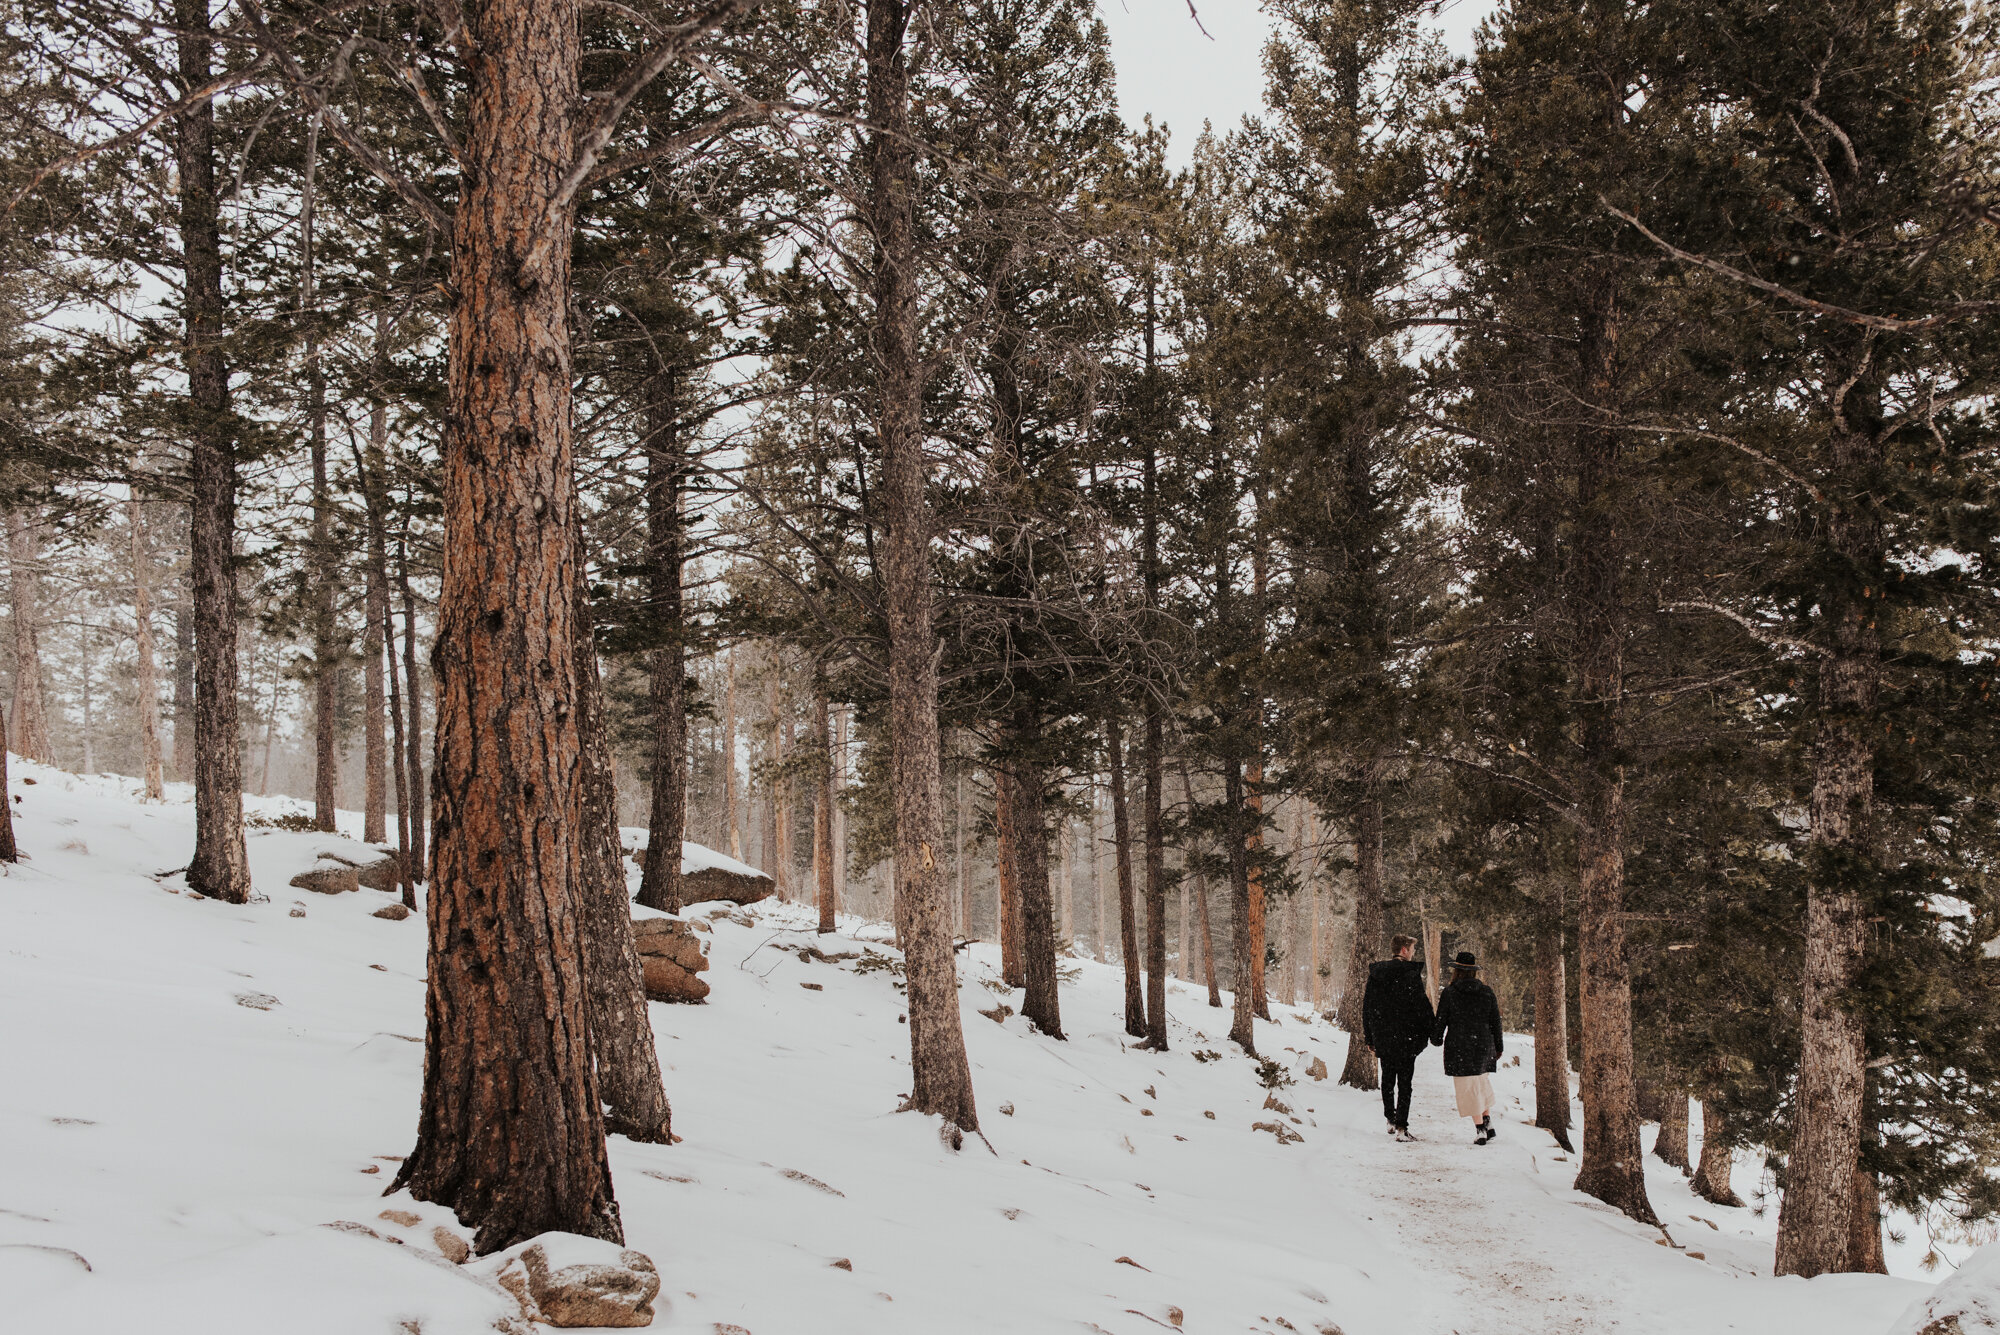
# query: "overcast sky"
[1167,67]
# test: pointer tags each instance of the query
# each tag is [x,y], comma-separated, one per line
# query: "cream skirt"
[1475,1095]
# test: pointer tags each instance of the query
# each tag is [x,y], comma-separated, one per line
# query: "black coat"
[1468,1028]
[1395,1010]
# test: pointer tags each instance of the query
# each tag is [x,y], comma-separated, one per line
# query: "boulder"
[714,883]
[670,956]
[562,1279]
[1966,1303]
[393,912]
[328,878]
[382,874]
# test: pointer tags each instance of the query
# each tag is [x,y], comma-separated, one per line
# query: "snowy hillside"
[192,1090]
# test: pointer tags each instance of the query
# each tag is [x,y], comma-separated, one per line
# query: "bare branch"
[1761,634]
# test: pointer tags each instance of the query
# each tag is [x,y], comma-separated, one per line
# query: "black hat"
[1465,961]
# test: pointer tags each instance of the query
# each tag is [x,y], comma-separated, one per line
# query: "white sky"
[1167,67]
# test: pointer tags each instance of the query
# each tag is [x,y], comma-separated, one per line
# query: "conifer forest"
[1030,599]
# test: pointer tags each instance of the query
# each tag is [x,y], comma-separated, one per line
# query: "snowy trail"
[1437,1194]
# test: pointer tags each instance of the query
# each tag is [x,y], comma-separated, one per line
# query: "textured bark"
[1361,1070]
[1253,843]
[413,761]
[9,850]
[729,763]
[322,557]
[622,1046]
[1006,881]
[510,1135]
[1128,923]
[1864,1229]
[1711,1174]
[1818,1204]
[31,712]
[823,855]
[666,819]
[184,679]
[220,866]
[146,682]
[1670,1146]
[1551,1019]
[958,857]
[374,704]
[941,1077]
[1242,1027]
[1156,884]
[1201,906]
[1039,1002]
[381,633]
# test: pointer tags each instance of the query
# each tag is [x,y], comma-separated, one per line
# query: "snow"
[1968,1303]
[192,1148]
[694,857]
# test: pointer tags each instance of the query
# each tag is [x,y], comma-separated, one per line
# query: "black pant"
[1396,1073]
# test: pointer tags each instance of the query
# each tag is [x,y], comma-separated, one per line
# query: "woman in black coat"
[1468,1029]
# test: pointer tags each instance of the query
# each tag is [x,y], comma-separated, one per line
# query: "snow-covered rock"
[563,1279]
[670,956]
[1968,1303]
[328,878]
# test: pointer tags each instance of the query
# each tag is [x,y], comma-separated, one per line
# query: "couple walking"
[1397,1024]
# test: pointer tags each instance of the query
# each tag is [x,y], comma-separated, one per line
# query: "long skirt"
[1474,1093]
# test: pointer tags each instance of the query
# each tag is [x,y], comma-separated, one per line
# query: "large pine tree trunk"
[1712,1173]
[1242,1026]
[1814,1218]
[622,1046]
[413,763]
[1253,842]
[1551,1018]
[146,683]
[940,1075]
[1670,1145]
[823,798]
[1156,883]
[511,1131]
[1128,921]
[666,820]
[220,866]
[31,711]
[1361,1070]
[1039,1003]
[1006,882]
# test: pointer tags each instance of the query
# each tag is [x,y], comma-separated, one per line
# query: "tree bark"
[183,710]
[220,865]
[1201,905]
[381,616]
[1156,885]
[511,1131]
[940,1075]
[9,850]
[323,558]
[729,762]
[1551,1019]
[1253,844]
[1128,923]
[1819,1197]
[1362,1070]
[1670,1145]
[666,822]
[623,1049]
[413,763]
[374,700]
[823,810]
[1242,1026]
[1040,1005]
[1006,881]
[1712,1173]
[147,683]
[31,716]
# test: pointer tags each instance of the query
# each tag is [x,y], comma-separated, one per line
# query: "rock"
[452,1247]
[732,887]
[256,1001]
[328,878]
[842,1263]
[382,874]
[562,1279]
[1318,1069]
[297,911]
[403,1217]
[670,956]
[393,912]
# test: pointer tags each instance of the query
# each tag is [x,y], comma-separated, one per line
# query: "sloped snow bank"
[194,1090]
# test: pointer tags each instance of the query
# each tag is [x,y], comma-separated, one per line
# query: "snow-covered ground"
[191,1090]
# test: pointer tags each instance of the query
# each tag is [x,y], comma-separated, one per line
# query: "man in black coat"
[1396,1025]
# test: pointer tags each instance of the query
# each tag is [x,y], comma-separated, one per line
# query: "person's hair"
[1396,943]
[1461,974]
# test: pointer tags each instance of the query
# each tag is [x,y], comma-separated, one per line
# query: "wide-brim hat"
[1465,960]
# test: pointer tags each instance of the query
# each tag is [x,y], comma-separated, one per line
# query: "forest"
[1539,501]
